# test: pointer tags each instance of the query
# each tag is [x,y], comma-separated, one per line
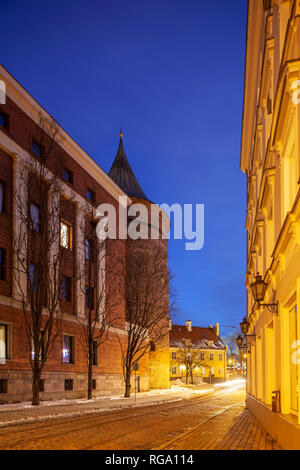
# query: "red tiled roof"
[199,337]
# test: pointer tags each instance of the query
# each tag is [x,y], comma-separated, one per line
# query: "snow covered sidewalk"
[20,413]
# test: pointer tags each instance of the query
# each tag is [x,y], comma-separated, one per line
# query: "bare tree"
[143,283]
[98,292]
[36,247]
[190,358]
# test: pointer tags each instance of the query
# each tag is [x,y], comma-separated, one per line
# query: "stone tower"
[121,173]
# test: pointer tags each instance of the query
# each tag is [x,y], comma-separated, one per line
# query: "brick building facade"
[84,185]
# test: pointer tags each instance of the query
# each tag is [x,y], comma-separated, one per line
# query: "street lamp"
[259,288]
[240,343]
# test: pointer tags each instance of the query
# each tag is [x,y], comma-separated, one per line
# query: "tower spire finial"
[121,134]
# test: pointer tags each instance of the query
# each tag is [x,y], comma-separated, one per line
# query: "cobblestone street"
[217,420]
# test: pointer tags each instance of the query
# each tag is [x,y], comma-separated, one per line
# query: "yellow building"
[199,349]
[270,158]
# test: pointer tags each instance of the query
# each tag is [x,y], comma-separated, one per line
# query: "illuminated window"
[1,197]
[3,342]
[202,356]
[173,355]
[65,235]
[65,289]
[2,264]
[220,357]
[68,349]
[174,370]
[34,217]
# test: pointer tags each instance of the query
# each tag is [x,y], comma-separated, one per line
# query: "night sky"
[170,75]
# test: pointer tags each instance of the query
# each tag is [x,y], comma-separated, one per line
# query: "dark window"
[68,349]
[34,217]
[67,175]
[173,355]
[3,120]
[87,249]
[42,385]
[2,194]
[3,342]
[211,357]
[68,384]
[33,277]
[220,357]
[36,149]
[95,353]
[2,264]
[94,384]
[89,297]
[65,289]
[90,195]
[3,385]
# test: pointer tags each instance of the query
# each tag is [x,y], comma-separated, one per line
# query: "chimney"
[188,325]
[216,328]
[170,323]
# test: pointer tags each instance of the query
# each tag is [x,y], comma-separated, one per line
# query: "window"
[173,355]
[211,357]
[2,264]
[67,175]
[202,356]
[36,149]
[68,384]
[174,370]
[3,120]
[3,342]
[89,297]
[90,195]
[203,371]
[68,349]
[65,235]
[220,371]
[220,357]
[3,385]
[2,192]
[95,353]
[42,385]
[33,278]
[87,249]
[65,289]
[34,217]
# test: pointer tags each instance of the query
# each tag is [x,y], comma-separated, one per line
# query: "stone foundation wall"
[19,385]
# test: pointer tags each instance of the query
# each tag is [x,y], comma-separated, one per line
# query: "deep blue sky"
[170,74]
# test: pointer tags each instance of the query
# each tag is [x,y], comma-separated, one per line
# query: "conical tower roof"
[121,173]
